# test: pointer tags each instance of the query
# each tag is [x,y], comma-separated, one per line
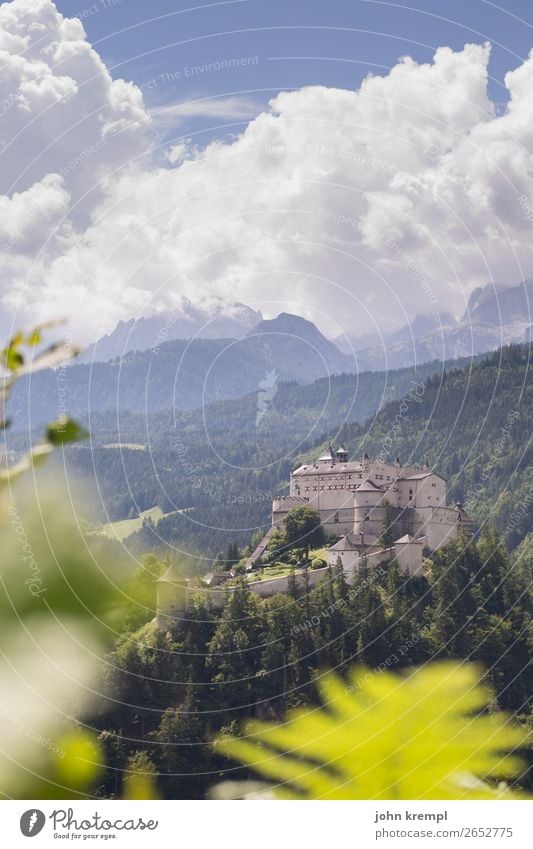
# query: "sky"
[355,162]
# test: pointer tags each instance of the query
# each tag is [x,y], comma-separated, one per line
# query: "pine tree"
[387,533]
[235,650]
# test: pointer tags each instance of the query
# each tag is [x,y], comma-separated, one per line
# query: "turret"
[341,454]
[328,457]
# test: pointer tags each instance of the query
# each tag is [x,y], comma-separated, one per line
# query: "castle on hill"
[355,500]
[354,497]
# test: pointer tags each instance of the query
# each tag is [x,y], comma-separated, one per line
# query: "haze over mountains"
[185,374]
[495,316]
[219,322]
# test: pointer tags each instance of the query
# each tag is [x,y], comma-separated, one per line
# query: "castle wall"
[439,525]
[408,556]
[172,603]
[349,560]
[335,510]
[370,520]
[375,558]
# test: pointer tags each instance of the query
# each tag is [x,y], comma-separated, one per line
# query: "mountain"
[219,322]
[499,306]
[495,316]
[183,374]
[417,329]
[292,338]
[422,326]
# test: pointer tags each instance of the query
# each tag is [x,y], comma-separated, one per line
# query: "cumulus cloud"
[58,100]
[355,208]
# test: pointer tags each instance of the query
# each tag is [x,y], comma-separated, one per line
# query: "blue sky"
[334,43]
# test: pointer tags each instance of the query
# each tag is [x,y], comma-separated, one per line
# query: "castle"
[354,496]
[356,500]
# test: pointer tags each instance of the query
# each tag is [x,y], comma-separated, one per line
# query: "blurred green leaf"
[33,458]
[387,736]
[65,430]
[53,356]
[12,359]
[34,337]
[82,760]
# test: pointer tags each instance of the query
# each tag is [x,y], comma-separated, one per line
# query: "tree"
[181,752]
[387,533]
[304,529]
[339,580]
[140,777]
[235,649]
[454,570]
[374,642]
[233,556]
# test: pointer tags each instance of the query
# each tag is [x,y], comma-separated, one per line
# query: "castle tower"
[328,458]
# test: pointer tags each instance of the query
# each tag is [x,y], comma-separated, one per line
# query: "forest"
[169,694]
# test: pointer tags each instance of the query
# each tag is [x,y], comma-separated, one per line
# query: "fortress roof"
[356,466]
[369,486]
[172,576]
[420,476]
[351,542]
[338,467]
[409,539]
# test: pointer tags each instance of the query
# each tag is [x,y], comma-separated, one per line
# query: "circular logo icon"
[32,822]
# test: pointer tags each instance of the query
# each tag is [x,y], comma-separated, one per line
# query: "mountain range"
[218,321]
[183,374]
[186,374]
[495,316]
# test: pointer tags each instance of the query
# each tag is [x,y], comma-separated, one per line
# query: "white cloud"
[221,108]
[351,207]
[57,100]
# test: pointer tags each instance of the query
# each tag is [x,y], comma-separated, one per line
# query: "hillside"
[226,467]
[474,426]
[210,458]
